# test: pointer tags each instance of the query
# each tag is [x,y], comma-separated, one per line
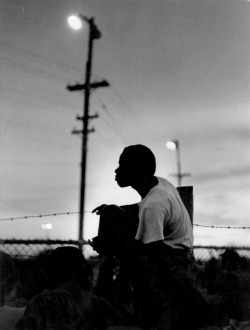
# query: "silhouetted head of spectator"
[51,268]
[136,161]
[69,264]
[230,259]
[33,275]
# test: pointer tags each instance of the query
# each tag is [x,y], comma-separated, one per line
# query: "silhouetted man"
[159,254]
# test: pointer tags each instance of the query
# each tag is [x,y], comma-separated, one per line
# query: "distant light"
[75,22]
[47,226]
[171,145]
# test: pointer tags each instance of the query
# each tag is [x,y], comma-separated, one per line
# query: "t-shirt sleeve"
[151,224]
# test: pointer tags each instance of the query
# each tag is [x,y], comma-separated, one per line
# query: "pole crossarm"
[181,175]
[80,131]
[80,87]
[91,130]
[76,131]
[89,117]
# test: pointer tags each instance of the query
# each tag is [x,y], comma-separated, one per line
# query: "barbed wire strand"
[40,216]
[69,213]
[224,227]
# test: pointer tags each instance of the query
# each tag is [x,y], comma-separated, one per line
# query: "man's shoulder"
[163,194]
[158,197]
[164,183]
[164,188]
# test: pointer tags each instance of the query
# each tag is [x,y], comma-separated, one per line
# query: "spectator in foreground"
[68,304]
[9,312]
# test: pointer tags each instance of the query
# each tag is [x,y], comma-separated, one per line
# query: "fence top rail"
[215,247]
[76,242]
[40,241]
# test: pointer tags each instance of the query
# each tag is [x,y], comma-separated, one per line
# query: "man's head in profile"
[136,162]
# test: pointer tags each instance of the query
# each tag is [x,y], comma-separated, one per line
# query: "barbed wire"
[69,213]
[40,216]
[224,227]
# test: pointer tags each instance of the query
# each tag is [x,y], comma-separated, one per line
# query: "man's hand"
[98,210]
[102,245]
[96,243]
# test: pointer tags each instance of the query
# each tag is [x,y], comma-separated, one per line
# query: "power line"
[33,69]
[15,94]
[136,118]
[30,67]
[45,59]
[113,127]
[112,119]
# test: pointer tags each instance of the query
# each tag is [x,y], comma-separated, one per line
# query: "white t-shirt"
[163,217]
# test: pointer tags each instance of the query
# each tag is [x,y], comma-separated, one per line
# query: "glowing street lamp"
[174,145]
[75,22]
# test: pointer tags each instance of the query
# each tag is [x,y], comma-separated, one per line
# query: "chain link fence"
[222,274]
[205,253]
[29,248]
[23,249]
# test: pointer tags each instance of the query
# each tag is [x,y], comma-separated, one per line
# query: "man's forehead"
[122,158]
[125,157]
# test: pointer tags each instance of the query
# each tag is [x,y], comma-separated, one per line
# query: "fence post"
[186,193]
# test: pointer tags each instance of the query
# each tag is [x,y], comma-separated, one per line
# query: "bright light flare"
[171,145]
[75,22]
[46,226]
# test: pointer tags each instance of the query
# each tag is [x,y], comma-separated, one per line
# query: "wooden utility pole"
[94,33]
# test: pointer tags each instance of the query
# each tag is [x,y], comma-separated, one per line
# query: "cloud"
[231,173]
